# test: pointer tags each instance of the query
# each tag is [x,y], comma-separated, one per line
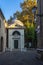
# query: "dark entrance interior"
[1,44]
[15,44]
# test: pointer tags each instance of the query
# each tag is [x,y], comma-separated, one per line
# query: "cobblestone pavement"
[19,58]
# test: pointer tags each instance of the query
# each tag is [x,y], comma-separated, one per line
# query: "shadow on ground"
[19,58]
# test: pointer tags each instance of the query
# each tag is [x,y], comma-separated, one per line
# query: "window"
[0,23]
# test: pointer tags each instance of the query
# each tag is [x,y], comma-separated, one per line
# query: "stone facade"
[2,32]
[40,22]
[15,36]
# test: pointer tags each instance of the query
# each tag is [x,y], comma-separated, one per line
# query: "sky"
[9,7]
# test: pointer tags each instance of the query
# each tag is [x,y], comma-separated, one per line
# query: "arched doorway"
[16,35]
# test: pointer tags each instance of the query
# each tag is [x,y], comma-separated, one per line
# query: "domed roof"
[18,22]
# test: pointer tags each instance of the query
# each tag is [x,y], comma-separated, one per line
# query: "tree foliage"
[26,13]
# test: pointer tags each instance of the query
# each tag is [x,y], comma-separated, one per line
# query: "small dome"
[18,22]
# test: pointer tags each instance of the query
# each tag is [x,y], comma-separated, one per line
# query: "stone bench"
[40,53]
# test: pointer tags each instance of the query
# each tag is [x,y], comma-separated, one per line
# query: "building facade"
[40,23]
[2,33]
[15,36]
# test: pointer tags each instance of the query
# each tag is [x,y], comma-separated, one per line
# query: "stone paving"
[19,58]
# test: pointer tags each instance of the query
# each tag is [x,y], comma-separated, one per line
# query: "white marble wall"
[12,38]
